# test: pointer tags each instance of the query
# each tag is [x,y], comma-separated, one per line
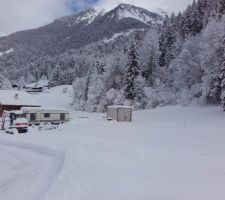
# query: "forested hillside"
[126,56]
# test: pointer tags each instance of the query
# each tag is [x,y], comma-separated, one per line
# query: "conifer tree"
[222,72]
[196,24]
[132,73]
[221,7]
[99,67]
[167,41]
[95,87]
[217,80]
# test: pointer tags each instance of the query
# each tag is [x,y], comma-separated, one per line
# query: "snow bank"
[55,97]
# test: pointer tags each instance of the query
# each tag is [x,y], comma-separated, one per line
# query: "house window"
[46,115]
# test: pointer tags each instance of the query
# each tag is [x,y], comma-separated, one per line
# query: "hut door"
[124,115]
[62,117]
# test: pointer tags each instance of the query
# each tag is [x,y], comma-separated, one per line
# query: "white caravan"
[14,121]
[43,115]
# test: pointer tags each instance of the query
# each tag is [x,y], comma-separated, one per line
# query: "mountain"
[79,30]
[126,11]
[73,32]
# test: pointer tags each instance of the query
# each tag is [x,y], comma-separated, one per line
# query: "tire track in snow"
[27,171]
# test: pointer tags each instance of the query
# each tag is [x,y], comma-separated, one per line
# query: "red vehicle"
[14,121]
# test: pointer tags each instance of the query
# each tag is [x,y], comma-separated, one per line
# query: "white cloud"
[18,15]
[23,14]
[152,5]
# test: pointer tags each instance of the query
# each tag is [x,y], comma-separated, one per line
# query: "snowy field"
[171,153]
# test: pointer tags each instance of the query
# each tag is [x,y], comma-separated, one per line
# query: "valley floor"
[171,153]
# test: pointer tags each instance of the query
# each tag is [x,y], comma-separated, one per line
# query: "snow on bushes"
[4,83]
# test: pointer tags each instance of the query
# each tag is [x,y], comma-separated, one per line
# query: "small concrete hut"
[120,113]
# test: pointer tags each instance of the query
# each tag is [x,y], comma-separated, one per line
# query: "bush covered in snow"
[4,83]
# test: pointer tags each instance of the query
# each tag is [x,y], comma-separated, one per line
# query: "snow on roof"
[45,109]
[16,97]
[120,106]
[17,112]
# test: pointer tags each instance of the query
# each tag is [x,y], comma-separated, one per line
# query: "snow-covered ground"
[55,97]
[27,171]
[171,153]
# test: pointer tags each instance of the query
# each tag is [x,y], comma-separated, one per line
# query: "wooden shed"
[15,99]
[120,113]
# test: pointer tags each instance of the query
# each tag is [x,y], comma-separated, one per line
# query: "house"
[36,87]
[119,113]
[15,99]
[33,89]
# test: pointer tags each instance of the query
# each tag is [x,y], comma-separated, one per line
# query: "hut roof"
[120,106]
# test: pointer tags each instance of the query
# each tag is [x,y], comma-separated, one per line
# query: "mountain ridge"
[80,29]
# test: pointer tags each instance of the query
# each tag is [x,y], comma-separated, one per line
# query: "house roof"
[16,97]
[120,106]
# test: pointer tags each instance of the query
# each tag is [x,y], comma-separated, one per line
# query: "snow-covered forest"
[177,59]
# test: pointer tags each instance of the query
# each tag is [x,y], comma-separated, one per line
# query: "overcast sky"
[18,15]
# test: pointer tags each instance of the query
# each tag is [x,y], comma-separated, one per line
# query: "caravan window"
[32,117]
[21,115]
[46,115]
